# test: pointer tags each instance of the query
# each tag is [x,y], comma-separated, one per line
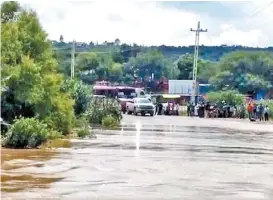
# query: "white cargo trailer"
[182,87]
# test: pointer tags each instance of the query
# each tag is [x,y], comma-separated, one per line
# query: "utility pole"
[195,59]
[73,59]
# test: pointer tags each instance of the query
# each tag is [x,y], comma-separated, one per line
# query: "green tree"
[9,10]
[244,71]
[231,97]
[34,85]
[205,68]
[185,66]
[152,62]
[115,72]
[87,62]
[81,93]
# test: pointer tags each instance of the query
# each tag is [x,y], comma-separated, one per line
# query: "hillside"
[213,53]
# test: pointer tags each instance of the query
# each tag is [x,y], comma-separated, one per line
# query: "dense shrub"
[100,108]
[231,97]
[28,133]
[82,127]
[109,122]
[62,116]
[81,93]
[82,133]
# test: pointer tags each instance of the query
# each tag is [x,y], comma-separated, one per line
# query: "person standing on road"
[266,113]
[196,107]
[255,110]
[250,111]
[207,109]
[260,112]
[242,111]
[177,108]
[188,109]
[191,109]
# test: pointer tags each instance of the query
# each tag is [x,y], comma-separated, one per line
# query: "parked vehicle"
[140,105]
[103,88]
[4,126]
[99,96]
[125,94]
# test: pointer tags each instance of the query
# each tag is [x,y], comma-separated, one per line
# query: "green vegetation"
[109,122]
[234,68]
[98,109]
[29,133]
[32,87]
[231,97]
[244,71]
[41,102]
[83,133]
[82,127]
[81,93]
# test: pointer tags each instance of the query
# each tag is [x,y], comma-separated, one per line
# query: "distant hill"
[213,53]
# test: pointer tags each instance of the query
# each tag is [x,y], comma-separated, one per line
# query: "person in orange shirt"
[250,110]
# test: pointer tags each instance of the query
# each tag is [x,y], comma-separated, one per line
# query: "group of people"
[224,110]
[260,112]
[199,109]
[172,108]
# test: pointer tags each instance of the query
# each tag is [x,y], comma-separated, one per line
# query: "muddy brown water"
[140,162]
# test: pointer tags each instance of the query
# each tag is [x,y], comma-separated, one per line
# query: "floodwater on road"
[145,161]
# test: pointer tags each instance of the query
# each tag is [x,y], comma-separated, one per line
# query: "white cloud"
[144,23]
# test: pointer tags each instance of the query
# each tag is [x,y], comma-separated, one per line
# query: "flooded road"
[149,158]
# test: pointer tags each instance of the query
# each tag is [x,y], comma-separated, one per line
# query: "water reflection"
[138,162]
[138,126]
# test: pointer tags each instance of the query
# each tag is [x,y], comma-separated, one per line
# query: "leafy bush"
[28,133]
[231,97]
[109,122]
[83,126]
[62,116]
[101,108]
[83,132]
[81,93]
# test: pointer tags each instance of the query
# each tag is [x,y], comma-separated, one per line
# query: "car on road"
[140,105]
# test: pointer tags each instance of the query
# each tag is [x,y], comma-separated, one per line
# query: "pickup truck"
[140,105]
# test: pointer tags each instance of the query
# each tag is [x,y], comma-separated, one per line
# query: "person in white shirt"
[176,109]
[196,107]
[266,113]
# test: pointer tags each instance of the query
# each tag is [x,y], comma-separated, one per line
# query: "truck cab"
[140,105]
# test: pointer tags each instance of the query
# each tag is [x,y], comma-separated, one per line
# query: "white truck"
[140,105]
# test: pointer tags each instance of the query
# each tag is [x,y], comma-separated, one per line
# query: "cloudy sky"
[247,23]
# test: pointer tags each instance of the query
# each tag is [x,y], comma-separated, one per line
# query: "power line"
[195,58]
[262,9]
[248,18]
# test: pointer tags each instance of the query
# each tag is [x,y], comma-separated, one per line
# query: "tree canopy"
[244,71]
[32,83]
[152,62]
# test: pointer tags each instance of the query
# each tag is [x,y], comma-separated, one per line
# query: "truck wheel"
[142,113]
[152,114]
[128,111]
